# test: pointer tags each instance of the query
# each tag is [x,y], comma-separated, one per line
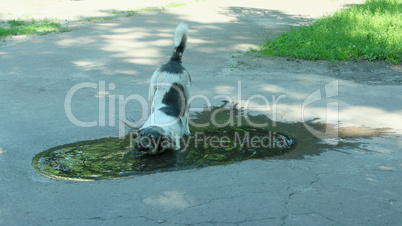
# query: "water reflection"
[207,146]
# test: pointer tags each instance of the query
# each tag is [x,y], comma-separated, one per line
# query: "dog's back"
[171,82]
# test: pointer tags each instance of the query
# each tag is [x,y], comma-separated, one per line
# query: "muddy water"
[231,138]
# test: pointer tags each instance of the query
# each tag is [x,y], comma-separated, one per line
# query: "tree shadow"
[125,52]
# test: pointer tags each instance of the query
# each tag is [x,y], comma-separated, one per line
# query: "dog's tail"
[180,40]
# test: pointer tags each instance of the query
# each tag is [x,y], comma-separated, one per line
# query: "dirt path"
[71,10]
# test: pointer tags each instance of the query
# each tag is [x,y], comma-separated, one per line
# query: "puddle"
[109,158]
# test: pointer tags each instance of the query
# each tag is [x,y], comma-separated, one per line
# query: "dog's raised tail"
[180,40]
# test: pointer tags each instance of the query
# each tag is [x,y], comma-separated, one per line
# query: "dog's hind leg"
[186,123]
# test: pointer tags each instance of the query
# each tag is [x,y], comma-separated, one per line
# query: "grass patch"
[175,4]
[21,27]
[96,18]
[144,9]
[46,26]
[371,31]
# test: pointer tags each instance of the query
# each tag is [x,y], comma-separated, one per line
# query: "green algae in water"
[109,158]
[87,160]
[114,157]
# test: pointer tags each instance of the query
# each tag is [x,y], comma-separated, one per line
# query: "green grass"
[371,31]
[21,27]
[144,9]
[43,27]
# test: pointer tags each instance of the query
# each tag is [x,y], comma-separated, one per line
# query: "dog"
[169,92]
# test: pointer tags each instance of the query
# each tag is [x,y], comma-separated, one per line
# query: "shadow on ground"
[123,53]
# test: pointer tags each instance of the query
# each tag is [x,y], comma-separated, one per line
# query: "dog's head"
[154,140]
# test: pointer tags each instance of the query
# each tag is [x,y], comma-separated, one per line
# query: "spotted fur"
[169,92]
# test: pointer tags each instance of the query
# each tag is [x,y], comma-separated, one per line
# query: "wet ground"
[235,141]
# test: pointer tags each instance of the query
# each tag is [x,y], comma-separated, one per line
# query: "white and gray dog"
[169,92]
